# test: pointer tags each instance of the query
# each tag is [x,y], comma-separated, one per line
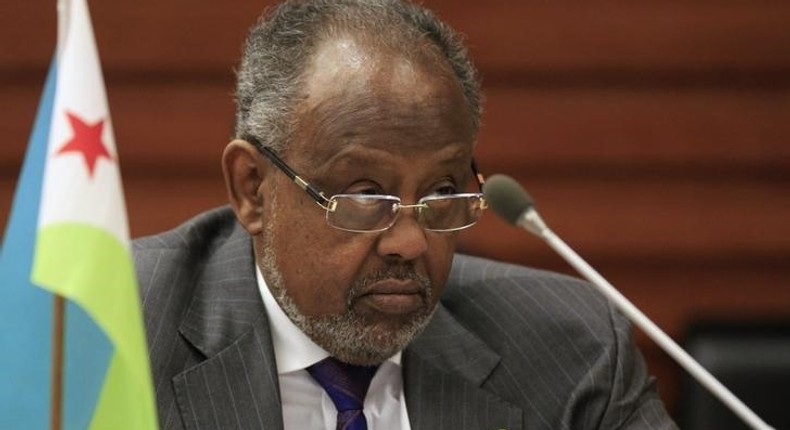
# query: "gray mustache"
[392,272]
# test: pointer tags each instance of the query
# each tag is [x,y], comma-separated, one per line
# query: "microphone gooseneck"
[510,201]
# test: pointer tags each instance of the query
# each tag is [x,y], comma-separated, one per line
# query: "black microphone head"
[506,197]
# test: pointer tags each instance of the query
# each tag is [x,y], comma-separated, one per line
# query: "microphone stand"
[531,221]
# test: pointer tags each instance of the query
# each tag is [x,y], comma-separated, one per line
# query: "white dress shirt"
[306,405]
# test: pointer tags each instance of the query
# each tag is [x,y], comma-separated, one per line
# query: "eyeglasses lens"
[451,213]
[370,213]
[362,212]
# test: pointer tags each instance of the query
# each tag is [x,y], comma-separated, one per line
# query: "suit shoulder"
[468,269]
[191,233]
[471,275]
[182,249]
[480,289]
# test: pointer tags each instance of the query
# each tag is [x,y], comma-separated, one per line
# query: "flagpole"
[56,393]
[58,305]
[63,23]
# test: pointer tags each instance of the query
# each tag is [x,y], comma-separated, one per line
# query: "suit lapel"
[444,369]
[237,385]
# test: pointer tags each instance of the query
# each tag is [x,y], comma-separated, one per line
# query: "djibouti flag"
[68,236]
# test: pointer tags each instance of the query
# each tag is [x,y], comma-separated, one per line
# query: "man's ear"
[244,170]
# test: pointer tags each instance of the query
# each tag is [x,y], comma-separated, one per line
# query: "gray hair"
[281,44]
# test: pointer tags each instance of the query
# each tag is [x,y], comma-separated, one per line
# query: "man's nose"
[406,239]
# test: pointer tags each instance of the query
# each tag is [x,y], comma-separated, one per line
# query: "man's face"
[376,124]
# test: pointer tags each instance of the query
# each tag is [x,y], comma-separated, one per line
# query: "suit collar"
[226,302]
[444,370]
[449,345]
[237,385]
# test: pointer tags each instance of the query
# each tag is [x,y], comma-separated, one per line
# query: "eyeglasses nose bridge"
[396,208]
[417,206]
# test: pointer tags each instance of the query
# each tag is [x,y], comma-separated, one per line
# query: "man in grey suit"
[329,294]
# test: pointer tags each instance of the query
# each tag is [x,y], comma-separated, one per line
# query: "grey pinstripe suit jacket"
[509,347]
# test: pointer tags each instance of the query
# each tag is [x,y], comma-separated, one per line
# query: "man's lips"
[393,296]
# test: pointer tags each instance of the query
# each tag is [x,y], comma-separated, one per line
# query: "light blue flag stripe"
[87,357]
[26,310]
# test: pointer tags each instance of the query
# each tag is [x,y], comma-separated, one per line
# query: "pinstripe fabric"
[208,336]
[509,348]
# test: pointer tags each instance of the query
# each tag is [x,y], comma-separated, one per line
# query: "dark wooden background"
[653,134]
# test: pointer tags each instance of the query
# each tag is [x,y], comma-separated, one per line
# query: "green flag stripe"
[94,269]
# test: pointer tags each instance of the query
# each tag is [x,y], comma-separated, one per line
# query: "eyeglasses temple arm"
[479,176]
[277,161]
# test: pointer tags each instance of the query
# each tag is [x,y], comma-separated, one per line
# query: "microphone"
[510,201]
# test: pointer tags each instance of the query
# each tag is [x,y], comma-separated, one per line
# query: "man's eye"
[364,190]
[445,190]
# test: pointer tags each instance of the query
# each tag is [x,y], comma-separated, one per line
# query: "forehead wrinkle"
[362,158]
[339,121]
[328,123]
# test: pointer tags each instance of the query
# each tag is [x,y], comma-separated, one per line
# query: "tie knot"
[346,384]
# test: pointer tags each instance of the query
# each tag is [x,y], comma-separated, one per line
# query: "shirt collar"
[293,349]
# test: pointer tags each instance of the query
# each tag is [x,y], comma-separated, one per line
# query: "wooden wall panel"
[642,126]
[654,35]
[505,36]
[572,131]
[653,135]
[639,222]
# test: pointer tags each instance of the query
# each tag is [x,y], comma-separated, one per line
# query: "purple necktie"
[347,386]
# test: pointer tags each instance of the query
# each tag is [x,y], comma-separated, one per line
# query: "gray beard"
[348,336]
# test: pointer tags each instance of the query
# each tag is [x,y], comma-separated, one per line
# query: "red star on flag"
[86,141]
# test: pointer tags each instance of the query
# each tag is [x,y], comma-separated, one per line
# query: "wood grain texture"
[653,135]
